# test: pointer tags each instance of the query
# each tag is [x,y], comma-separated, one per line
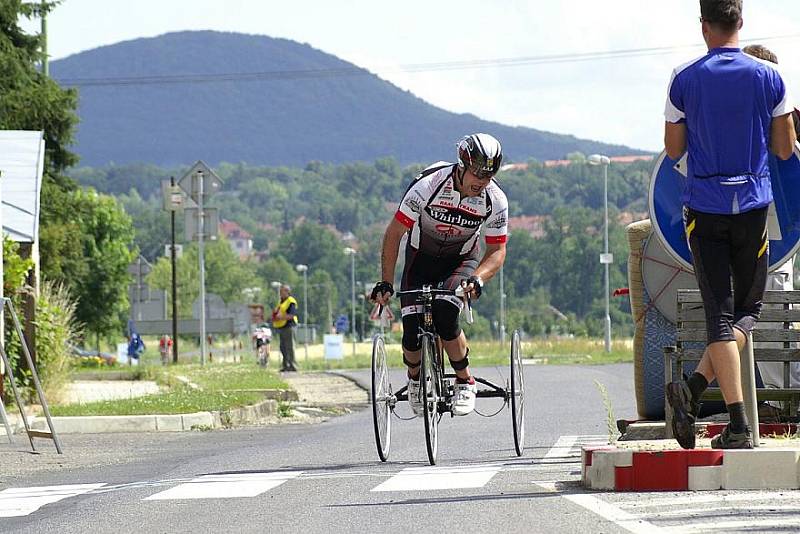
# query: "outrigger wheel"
[381,393]
[517,394]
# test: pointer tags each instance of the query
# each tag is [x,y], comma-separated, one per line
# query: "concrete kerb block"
[169,423]
[705,477]
[100,424]
[601,474]
[199,420]
[587,454]
[761,469]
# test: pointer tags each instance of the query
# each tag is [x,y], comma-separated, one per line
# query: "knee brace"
[445,318]
[409,364]
[411,340]
[460,364]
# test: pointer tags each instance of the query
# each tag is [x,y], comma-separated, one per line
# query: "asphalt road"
[324,477]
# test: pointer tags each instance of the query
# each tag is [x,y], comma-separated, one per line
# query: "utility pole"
[45,61]
[352,253]
[606,258]
[173,261]
[201,252]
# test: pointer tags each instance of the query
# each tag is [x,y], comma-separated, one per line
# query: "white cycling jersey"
[442,223]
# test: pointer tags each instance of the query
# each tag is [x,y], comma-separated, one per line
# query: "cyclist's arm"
[391,245]
[493,259]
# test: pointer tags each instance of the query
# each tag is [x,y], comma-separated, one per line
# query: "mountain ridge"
[222,96]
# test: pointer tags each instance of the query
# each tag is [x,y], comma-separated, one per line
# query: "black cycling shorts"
[439,273]
[725,249]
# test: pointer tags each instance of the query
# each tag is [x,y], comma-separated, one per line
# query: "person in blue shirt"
[727,110]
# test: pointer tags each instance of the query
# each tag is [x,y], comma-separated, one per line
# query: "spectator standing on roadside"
[781,278]
[165,348]
[284,319]
[728,110]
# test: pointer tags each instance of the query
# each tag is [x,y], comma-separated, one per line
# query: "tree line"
[95,221]
[308,215]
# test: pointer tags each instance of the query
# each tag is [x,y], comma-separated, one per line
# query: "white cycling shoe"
[415,396]
[464,398]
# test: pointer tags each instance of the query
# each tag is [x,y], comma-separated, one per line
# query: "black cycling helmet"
[481,154]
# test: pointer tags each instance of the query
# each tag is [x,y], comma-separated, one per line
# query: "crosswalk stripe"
[226,486]
[438,478]
[16,502]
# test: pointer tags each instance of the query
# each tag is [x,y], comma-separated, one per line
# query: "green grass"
[220,384]
[569,351]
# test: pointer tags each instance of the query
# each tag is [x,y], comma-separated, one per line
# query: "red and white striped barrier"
[611,468]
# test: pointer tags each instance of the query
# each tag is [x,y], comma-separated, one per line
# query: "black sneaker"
[730,440]
[684,413]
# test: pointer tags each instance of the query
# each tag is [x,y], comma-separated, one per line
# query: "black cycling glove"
[477,285]
[381,288]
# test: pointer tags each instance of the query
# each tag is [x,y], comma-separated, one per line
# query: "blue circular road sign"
[666,209]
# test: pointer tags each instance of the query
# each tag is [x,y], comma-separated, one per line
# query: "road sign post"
[199,183]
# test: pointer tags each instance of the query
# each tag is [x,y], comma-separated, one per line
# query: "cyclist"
[442,213]
[262,336]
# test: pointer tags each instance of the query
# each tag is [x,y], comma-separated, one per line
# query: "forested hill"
[179,97]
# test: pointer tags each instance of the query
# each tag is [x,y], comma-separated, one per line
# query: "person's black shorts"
[440,273]
[725,249]
[261,342]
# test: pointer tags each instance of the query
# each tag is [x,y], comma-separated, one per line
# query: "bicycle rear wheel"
[429,390]
[381,394]
[517,394]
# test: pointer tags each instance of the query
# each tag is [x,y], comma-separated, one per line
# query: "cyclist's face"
[473,184]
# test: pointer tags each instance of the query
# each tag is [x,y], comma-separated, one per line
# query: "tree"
[97,271]
[28,99]
[226,275]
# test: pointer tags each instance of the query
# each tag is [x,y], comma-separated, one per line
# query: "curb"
[102,424]
[357,381]
[611,468]
[654,430]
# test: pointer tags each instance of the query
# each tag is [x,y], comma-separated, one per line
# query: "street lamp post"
[606,258]
[352,253]
[304,269]
[277,287]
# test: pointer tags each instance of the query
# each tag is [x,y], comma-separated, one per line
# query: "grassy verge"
[487,353]
[222,386]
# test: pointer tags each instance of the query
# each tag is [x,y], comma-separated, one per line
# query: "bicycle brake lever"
[459,292]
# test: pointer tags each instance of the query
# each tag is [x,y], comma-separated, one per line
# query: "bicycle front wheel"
[429,390]
[517,394]
[381,393]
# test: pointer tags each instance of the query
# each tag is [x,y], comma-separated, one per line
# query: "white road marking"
[753,525]
[438,478]
[566,447]
[750,496]
[570,447]
[226,486]
[616,515]
[16,502]
[562,448]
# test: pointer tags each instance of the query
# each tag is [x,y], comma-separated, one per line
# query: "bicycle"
[436,385]
[263,354]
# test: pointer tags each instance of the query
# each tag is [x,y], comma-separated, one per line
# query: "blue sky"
[618,100]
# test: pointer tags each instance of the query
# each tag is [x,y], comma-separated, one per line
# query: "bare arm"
[675,139]
[782,136]
[391,244]
[492,260]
